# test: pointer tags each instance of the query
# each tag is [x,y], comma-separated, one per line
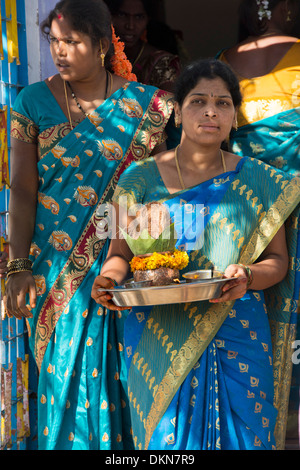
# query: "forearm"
[273,264]
[21,222]
[117,268]
[269,269]
[23,198]
[268,272]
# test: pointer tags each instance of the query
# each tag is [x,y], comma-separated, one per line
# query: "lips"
[209,126]
[129,38]
[61,64]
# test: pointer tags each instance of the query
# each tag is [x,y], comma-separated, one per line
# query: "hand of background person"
[3,263]
[101,296]
[17,286]
[236,288]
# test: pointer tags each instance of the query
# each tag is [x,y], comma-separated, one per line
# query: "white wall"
[33,40]
[47,66]
[40,64]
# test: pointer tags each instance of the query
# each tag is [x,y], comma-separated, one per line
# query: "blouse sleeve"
[23,126]
[131,187]
[165,70]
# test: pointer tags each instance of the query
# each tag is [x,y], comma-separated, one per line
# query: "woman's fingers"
[101,296]
[17,287]
[233,290]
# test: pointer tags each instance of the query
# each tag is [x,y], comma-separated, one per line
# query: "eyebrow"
[205,94]
[63,38]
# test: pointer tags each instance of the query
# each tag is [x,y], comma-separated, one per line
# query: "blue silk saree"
[201,375]
[78,346]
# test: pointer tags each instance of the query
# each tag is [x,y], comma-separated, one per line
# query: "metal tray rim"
[202,282]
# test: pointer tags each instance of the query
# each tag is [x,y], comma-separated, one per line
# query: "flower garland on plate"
[175,260]
[119,62]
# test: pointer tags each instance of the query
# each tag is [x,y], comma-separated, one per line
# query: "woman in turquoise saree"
[200,375]
[78,346]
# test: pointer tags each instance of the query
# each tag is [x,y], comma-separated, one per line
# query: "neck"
[204,158]
[272,32]
[90,88]
[132,52]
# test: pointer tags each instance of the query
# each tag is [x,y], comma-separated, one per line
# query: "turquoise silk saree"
[274,140]
[201,375]
[78,346]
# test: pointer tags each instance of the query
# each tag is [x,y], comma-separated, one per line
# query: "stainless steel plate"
[124,296]
[193,276]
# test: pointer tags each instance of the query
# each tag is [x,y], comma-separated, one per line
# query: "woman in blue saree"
[65,165]
[200,375]
[267,64]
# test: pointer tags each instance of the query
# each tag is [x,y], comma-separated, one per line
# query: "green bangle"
[248,272]
[114,283]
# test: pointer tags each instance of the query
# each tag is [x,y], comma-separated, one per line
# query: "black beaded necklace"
[75,97]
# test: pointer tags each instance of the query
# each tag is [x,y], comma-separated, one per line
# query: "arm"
[115,267]
[271,268]
[22,208]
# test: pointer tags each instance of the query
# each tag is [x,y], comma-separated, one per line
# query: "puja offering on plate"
[152,240]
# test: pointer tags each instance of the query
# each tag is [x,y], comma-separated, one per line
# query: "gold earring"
[288,18]
[236,126]
[177,123]
[102,55]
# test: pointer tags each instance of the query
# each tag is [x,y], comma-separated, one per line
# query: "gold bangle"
[248,273]
[19,264]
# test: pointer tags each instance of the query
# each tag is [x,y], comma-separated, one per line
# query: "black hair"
[249,22]
[90,17]
[209,69]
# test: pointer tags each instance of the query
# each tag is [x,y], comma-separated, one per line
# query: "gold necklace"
[109,78]
[67,103]
[139,54]
[178,168]
[271,33]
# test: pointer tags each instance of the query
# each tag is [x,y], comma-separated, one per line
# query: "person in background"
[72,136]
[200,374]
[149,45]
[267,64]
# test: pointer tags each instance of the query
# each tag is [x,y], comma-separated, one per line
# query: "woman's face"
[130,22]
[207,113]
[72,52]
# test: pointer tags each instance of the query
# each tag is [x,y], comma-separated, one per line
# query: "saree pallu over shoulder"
[174,337]
[275,140]
[77,178]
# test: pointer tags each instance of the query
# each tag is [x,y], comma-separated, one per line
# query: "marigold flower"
[175,260]
[120,64]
